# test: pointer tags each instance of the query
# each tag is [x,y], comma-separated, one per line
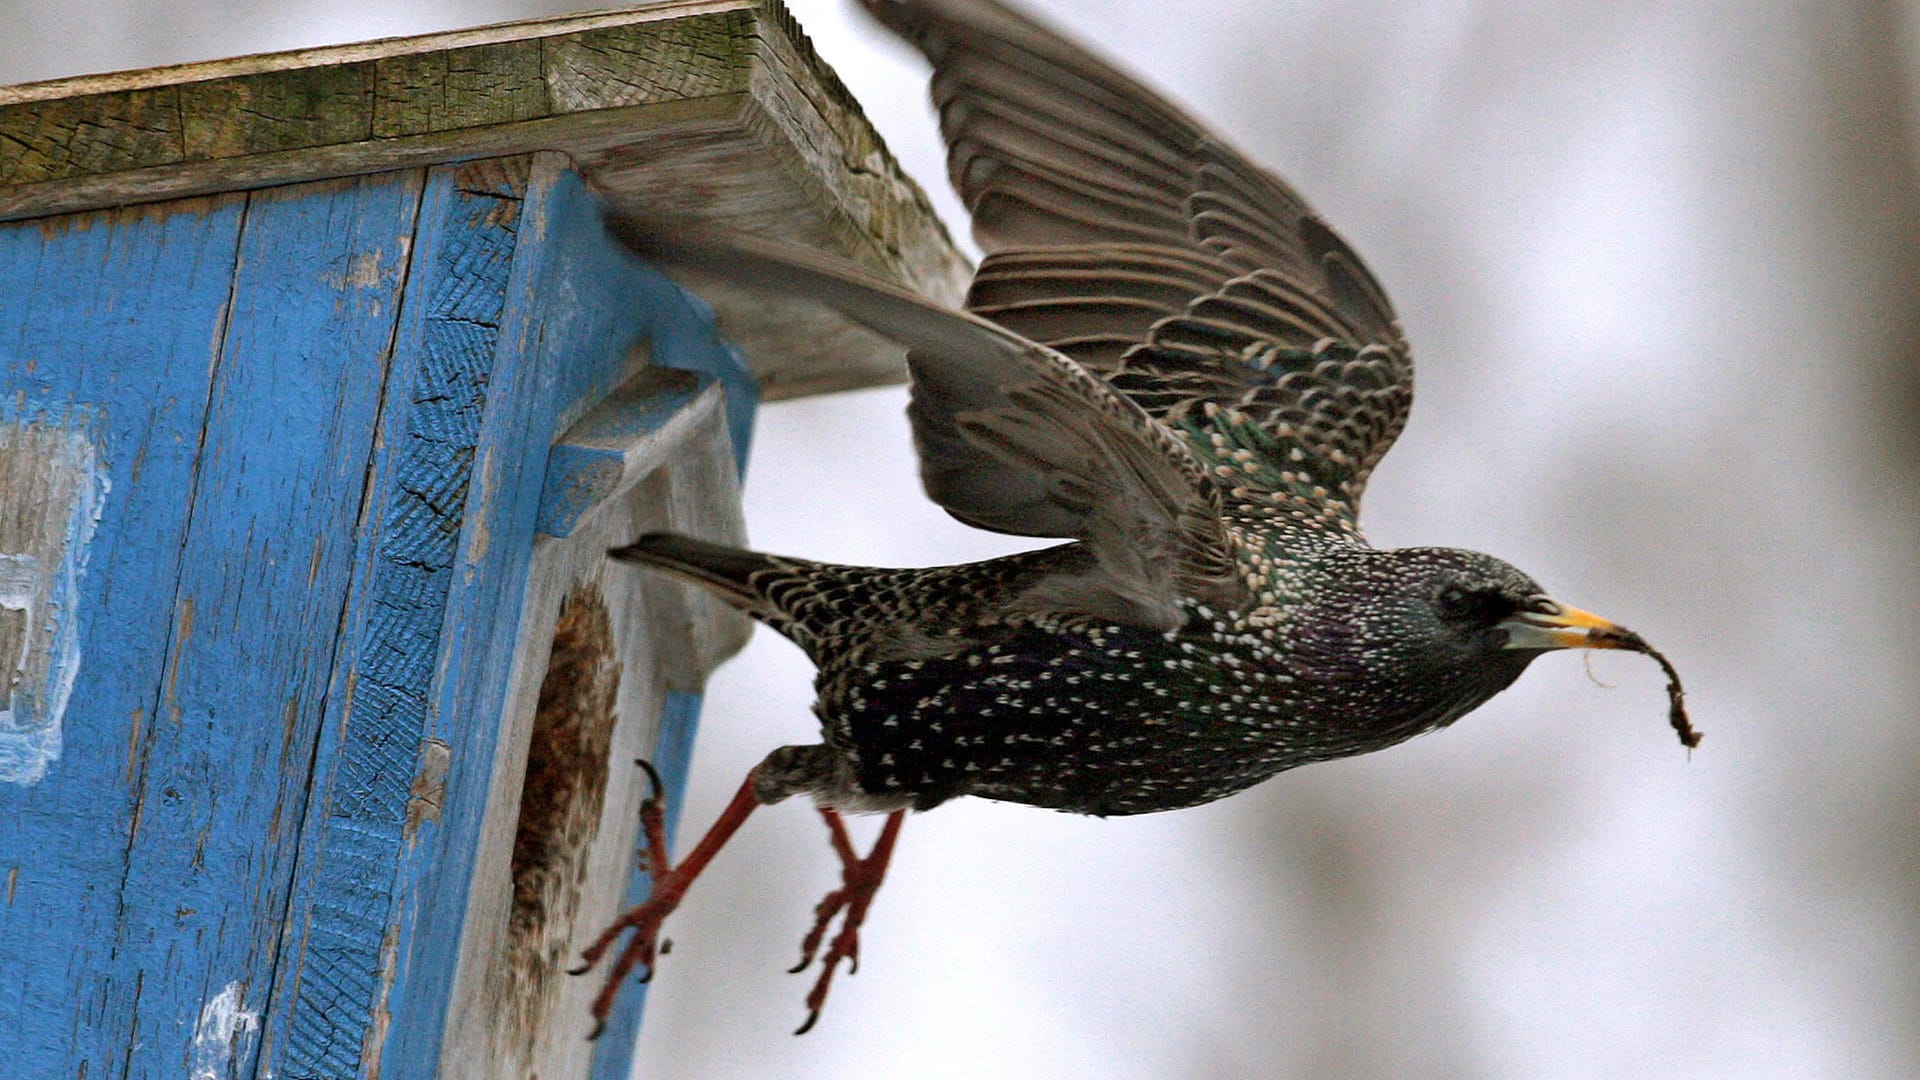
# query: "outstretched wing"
[1049,449]
[1124,235]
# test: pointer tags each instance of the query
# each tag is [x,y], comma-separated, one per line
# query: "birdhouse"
[322,396]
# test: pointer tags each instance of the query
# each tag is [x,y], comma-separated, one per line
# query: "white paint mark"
[55,489]
[222,1033]
[365,271]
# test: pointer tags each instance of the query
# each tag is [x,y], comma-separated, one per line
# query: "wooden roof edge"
[69,86]
[718,110]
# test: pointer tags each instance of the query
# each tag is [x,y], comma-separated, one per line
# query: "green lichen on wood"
[68,137]
[276,110]
[433,92]
[477,86]
[718,110]
[643,63]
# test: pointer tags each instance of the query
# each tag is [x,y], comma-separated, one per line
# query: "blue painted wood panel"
[228,752]
[322,416]
[379,732]
[575,304]
[519,317]
[606,449]
[119,316]
[239,367]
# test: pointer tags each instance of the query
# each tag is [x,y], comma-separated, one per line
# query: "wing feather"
[1015,436]
[1123,234]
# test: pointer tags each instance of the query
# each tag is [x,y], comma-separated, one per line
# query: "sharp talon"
[653,777]
[599,1026]
[669,884]
[666,946]
[859,877]
[581,970]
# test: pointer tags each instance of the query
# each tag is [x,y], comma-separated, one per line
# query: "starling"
[1169,362]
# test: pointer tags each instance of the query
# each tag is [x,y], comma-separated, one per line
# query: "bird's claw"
[669,883]
[657,789]
[859,879]
[823,913]
[645,945]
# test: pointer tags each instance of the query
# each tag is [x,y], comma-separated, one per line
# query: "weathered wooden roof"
[715,111]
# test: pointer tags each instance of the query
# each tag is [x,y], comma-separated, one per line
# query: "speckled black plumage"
[1167,360]
[929,687]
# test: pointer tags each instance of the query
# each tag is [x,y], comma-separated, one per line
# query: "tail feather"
[727,571]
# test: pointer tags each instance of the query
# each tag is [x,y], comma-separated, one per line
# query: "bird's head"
[1429,634]
[1472,605]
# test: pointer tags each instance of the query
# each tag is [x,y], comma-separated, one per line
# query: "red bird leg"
[859,880]
[669,886]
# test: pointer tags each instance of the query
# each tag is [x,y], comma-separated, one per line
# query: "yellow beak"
[1548,624]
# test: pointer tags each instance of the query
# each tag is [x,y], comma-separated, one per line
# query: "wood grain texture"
[315,614]
[145,375]
[712,109]
[644,423]
[331,1011]
[505,1027]
[268,557]
[629,434]
[495,672]
[151,863]
[520,315]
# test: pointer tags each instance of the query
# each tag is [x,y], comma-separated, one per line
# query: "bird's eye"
[1476,607]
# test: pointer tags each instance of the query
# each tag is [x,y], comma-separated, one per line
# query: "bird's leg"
[669,885]
[859,880]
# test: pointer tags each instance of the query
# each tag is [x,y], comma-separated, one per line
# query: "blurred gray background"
[1660,264]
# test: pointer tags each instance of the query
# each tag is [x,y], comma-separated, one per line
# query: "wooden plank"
[512,1013]
[706,110]
[549,876]
[404,870]
[552,361]
[224,765]
[381,764]
[626,436]
[360,97]
[109,328]
[642,424]
[281,835]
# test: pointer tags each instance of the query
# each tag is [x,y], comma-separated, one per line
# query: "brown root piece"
[1677,704]
[1676,694]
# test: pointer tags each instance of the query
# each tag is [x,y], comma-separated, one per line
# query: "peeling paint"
[428,792]
[373,1046]
[485,480]
[365,271]
[55,487]
[222,1035]
[182,633]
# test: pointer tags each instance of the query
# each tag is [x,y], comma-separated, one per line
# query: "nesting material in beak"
[1549,624]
